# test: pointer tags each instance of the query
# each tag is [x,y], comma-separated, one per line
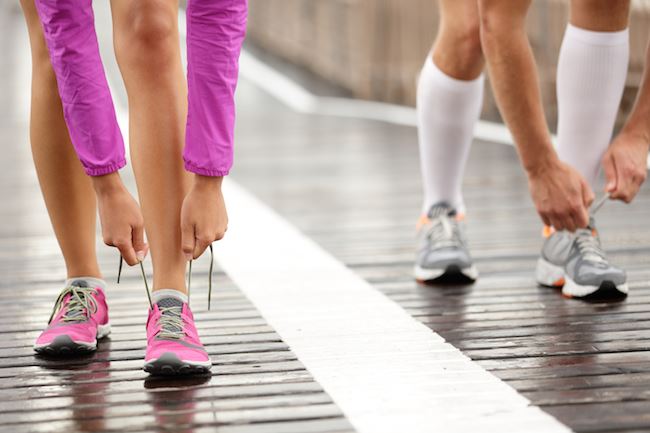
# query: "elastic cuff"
[205,171]
[159,294]
[598,38]
[101,171]
[93,281]
[430,68]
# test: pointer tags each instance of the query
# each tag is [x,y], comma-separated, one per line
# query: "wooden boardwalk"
[353,187]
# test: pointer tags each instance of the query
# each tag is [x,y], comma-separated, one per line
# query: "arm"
[69,31]
[626,161]
[215,33]
[560,194]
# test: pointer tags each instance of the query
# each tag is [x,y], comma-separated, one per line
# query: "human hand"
[561,195]
[626,166]
[203,216]
[121,218]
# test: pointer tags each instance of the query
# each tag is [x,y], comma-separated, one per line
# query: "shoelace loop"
[189,278]
[589,246]
[444,232]
[81,304]
[587,241]
[171,323]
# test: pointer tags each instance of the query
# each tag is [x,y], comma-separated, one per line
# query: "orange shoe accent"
[559,283]
[422,221]
[547,231]
[460,217]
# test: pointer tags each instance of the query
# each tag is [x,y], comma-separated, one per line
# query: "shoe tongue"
[167,303]
[441,208]
[76,312]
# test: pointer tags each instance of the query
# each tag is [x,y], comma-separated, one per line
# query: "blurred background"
[375,48]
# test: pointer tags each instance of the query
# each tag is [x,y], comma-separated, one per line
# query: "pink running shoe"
[78,320]
[173,345]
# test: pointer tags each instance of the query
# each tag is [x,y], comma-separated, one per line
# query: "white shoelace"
[444,232]
[80,306]
[587,241]
[171,323]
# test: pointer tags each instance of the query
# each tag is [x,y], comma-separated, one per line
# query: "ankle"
[159,294]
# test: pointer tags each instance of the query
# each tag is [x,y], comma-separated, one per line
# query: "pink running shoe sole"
[63,345]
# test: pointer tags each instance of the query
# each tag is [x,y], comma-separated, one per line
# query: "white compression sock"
[591,74]
[157,295]
[447,111]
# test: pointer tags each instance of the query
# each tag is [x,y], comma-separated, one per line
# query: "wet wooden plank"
[575,360]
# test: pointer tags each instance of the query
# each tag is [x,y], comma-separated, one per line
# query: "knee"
[149,36]
[468,42]
[459,49]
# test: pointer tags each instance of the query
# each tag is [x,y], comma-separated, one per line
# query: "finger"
[139,244]
[187,241]
[609,167]
[545,219]
[581,218]
[202,242]
[557,223]
[630,190]
[128,252]
[587,194]
[569,222]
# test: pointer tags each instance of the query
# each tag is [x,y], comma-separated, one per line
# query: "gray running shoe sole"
[449,272]
[550,275]
[606,290]
[168,364]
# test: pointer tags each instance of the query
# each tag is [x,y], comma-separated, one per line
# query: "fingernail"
[188,257]
[610,186]
[140,255]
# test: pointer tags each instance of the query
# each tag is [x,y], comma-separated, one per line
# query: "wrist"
[207,183]
[639,134]
[542,165]
[107,184]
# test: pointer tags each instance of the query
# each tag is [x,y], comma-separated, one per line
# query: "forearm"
[638,122]
[514,79]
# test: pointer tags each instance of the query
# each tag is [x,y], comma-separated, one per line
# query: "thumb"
[609,167]
[139,245]
[187,241]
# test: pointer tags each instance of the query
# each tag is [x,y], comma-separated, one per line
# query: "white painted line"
[386,371]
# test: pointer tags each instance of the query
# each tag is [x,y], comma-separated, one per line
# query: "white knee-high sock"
[591,74]
[447,111]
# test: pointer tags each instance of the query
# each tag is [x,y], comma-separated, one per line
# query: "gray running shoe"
[442,248]
[555,254]
[586,273]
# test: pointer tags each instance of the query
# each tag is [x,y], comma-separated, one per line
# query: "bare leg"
[68,192]
[148,52]
[600,15]
[457,49]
